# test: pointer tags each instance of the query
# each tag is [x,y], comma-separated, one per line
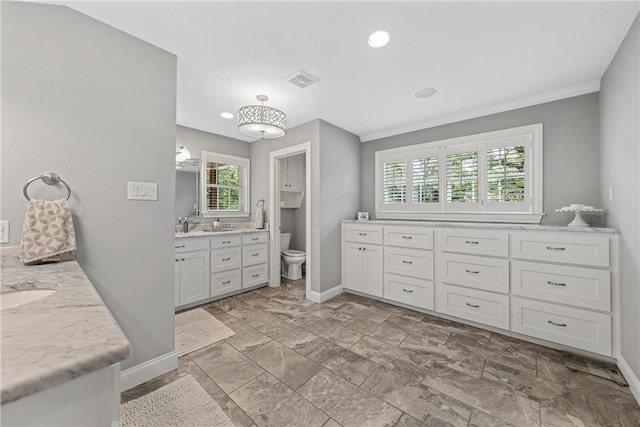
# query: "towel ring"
[48,178]
[260,203]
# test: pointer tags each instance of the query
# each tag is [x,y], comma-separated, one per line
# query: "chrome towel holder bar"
[48,178]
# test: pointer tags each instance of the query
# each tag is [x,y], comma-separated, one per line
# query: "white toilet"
[292,260]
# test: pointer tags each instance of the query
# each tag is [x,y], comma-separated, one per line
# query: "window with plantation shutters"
[225,185]
[495,176]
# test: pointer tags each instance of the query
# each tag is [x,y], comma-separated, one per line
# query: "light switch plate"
[142,190]
[4,231]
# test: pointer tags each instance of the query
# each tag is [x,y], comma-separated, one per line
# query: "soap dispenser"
[216,224]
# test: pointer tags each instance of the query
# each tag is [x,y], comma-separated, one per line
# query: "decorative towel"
[260,217]
[47,234]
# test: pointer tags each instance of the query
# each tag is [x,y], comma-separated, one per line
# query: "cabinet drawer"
[572,249]
[409,262]
[187,245]
[225,259]
[577,328]
[225,282]
[363,233]
[478,306]
[253,238]
[489,274]
[409,237]
[226,241]
[255,275]
[582,287]
[474,242]
[254,254]
[409,290]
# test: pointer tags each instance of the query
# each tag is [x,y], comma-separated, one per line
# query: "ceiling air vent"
[301,79]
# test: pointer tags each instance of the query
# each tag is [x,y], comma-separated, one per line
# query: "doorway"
[275,213]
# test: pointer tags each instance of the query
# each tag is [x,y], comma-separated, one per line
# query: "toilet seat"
[293,253]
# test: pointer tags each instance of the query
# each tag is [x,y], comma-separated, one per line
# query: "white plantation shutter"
[462,178]
[507,174]
[395,182]
[425,180]
[225,184]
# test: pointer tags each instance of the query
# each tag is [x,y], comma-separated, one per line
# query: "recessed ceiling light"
[425,92]
[378,39]
[226,115]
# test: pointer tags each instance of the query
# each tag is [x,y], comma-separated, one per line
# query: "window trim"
[245,164]
[483,141]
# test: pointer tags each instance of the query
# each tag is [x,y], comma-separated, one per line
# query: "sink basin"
[17,298]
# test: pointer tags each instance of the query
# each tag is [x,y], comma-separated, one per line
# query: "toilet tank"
[285,239]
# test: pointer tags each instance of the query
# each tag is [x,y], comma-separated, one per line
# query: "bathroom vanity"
[61,353]
[552,285]
[214,265]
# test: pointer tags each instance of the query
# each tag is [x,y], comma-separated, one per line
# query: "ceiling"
[483,57]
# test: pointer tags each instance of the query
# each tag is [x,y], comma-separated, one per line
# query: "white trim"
[632,379]
[549,96]
[145,371]
[321,297]
[274,211]
[511,218]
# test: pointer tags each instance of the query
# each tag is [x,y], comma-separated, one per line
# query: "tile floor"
[353,361]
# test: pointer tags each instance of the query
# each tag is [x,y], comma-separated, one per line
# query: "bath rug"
[198,328]
[181,403]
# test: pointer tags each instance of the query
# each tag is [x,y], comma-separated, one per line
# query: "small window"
[426,180]
[395,182]
[225,185]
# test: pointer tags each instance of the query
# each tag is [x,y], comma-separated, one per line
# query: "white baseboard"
[320,297]
[145,371]
[630,376]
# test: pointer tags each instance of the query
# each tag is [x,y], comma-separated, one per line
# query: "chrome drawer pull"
[407,262]
[472,305]
[182,259]
[226,259]
[562,325]
[181,246]
[255,238]
[472,271]
[256,275]
[471,242]
[226,242]
[227,282]
[362,234]
[549,282]
[407,290]
[256,254]
[177,259]
[551,248]
[407,237]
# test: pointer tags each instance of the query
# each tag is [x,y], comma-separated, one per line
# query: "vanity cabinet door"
[194,276]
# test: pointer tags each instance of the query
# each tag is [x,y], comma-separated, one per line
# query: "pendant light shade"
[259,121]
[182,154]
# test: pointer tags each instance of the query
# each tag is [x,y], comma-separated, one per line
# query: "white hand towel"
[47,234]
[260,218]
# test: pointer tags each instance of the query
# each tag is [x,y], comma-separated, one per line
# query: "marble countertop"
[59,337]
[485,225]
[204,233]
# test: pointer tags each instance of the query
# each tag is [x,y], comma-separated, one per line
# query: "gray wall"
[620,157]
[571,151]
[96,106]
[339,196]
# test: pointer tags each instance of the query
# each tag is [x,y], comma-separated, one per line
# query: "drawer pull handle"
[227,282]
[407,262]
[552,248]
[181,246]
[471,242]
[562,325]
[407,290]
[177,259]
[182,259]
[256,254]
[407,237]
[255,275]
[362,234]
[549,282]
[472,305]
[226,259]
[226,242]
[472,271]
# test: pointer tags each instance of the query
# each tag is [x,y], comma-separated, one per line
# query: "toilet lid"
[293,252]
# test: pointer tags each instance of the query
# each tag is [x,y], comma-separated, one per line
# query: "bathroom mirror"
[188,188]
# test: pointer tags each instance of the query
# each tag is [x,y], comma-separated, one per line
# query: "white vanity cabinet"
[292,173]
[191,270]
[551,284]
